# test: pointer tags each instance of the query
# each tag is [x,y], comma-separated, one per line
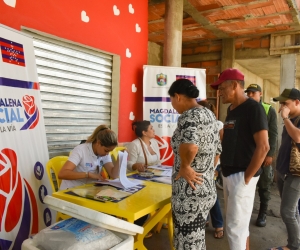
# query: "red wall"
[104,30]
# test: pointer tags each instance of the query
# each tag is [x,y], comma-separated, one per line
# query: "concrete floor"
[261,238]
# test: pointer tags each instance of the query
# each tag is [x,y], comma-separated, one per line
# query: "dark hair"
[242,83]
[184,87]
[208,105]
[107,137]
[139,126]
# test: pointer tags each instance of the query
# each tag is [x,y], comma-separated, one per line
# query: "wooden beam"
[294,11]
[230,7]
[212,56]
[195,14]
[252,53]
[239,55]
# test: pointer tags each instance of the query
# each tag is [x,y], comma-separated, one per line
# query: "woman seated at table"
[143,151]
[86,160]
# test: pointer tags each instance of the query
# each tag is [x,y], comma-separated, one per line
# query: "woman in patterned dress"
[195,143]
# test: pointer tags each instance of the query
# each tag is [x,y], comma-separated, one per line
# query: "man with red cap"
[245,146]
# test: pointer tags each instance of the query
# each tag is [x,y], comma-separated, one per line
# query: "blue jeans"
[216,215]
[289,189]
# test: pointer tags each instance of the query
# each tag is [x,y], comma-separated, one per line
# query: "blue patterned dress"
[191,207]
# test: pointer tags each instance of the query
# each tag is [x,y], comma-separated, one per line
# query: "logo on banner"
[31,112]
[12,52]
[163,116]
[191,78]
[12,113]
[165,149]
[18,205]
[161,79]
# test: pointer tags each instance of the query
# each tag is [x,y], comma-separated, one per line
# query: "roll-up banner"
[23,146]
[157,106]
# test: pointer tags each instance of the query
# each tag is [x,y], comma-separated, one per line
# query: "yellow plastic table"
[154,199]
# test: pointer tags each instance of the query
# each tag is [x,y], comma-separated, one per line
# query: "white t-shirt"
[136,155]
[86,161]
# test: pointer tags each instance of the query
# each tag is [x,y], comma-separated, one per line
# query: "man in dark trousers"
[289,184]
[245,146]
[267,175]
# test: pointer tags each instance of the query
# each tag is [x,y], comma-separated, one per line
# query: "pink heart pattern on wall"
[116,27]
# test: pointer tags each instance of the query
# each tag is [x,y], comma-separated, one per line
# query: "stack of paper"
[122,181]
[162,170]
[104,193]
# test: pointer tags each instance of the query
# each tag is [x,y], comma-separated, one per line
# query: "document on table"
[164,170]
[166,180]
[122,181]
[103,193]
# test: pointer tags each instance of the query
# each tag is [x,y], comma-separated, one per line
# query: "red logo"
[17,201]
[29,105]
[31,112]
[165,149]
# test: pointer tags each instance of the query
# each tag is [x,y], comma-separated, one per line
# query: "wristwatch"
[285,118]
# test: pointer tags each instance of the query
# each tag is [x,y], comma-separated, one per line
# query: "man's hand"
[284,111]
[190,175]
[247,179]
[268,161]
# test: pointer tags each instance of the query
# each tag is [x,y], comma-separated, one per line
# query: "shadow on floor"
[261,238]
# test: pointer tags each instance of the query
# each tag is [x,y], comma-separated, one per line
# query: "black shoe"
[261,220]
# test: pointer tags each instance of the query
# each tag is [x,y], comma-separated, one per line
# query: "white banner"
[23,146]
[157,106]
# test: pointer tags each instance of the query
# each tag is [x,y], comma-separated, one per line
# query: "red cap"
[228,74]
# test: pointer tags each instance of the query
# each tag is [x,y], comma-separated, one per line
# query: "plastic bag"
[74,234]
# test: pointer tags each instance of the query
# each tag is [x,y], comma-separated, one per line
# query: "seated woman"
[86,160]
[143,151]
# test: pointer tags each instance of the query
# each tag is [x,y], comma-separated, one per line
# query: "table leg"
[150,223]
[170,228]
[158,227]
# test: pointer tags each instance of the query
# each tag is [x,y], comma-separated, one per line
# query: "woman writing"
[195,143]
[86,160]
[143,151]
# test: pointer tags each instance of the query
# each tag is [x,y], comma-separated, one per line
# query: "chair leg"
[160,224]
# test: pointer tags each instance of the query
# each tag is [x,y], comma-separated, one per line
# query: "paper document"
[103,193]
[161,167]
[123,181]
[166,180]
[161,170]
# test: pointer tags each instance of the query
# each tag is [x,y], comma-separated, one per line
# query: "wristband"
[285,118]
